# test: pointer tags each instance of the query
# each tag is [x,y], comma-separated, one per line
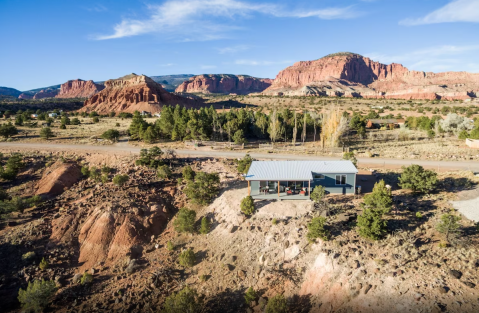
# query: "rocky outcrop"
[26,96]
[362,77]
[46,93]
[79,89]
[223,83]
[56,178]
[133,93]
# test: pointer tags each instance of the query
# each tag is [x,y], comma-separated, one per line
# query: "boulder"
[57,178]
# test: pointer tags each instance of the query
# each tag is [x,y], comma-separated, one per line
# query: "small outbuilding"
[294,180]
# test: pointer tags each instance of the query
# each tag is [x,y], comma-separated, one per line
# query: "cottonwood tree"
[333,125]
[274,127]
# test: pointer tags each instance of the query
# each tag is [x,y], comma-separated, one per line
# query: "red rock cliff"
[222,83]
[383,81]
[46,93]
[79,89]
[133,93]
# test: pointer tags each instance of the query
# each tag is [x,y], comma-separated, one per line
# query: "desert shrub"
[30,255]
[106,170]
[474,133]
[431,134]
[46,133]
[8,130]
[117,125]
[85,170]
[94,174]
[371,224]
[244,164]
[185,221]
[170,246]
[3,194]
[418,215]
[318,193]
[351,157]
[65,120]
[62,126]
[187,258]
[205,225]
[163,172]
[188,173]
[380,198]
[43,264]
[454,123]
[250,295]
[247,205]
[111,134]
[203,189]
[277,304]
[37,295]
[104,178]
[75,121]
[125,115]
[150,158]
[274,221]
[120,180]
[95,119]
[12,167]
[316,229]
[93,114]
[416,178]
[448,224]
[186,300]
[86,278]
[463,134]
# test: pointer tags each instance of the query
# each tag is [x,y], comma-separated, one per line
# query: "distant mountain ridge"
[224,83]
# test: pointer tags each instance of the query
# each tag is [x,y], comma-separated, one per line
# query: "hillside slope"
[224,83]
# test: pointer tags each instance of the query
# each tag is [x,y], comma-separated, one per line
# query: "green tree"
[351,157]
[188,173]
[43,264]
[244,164]
[87,278]
[111,134]
[250,295]
[8,130]
[416,178]
[316,229]
[318,193]
[137,126]
[85,170]
[75,121]
[163,172]
[448,225]
[185,301]
[150,158]
[46,133]
[238,137]
[185,221]
[95,119]
[63,126]
[247,205]
[19,120]
[95,174]
[277,304]
[150,135]
[204,188]
[380,198]
[205,226]
[120,180]
[371,224]
[37,295]
[65,120]
[187,258]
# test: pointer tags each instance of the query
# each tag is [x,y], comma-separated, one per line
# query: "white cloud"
[261,63]
[233,49]
[167,64]
[455,11]
[96,8]
[207,67]
[192,19]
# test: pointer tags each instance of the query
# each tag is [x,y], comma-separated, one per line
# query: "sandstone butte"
[79,89]
[224,83]
[352,75]
[133,93]
[45,93]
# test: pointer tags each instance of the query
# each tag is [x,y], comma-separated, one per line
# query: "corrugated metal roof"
[297,170]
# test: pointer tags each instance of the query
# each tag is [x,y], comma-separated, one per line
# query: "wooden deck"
[282,196]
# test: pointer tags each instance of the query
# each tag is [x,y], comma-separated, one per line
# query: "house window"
[318,176]
[340,179]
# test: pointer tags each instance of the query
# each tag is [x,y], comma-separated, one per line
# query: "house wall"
[329,183]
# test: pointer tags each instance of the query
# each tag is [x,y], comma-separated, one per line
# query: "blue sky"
[50,42]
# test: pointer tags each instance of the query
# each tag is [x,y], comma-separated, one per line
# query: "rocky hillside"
[79,89]
[6,91]
[171,82]
[133,93]
[224,83]
[350,74]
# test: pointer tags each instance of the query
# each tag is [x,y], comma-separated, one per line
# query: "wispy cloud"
[207,67]
[205,19]
[167,64]
[455,11]
[233,49]
[96,8]
[435,58]
[261,63]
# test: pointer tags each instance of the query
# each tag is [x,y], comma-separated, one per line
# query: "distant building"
[34,116]
[144,113]
[157,115]
[52,115]
[472,143]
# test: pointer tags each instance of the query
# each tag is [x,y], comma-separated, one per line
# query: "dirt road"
[124,148]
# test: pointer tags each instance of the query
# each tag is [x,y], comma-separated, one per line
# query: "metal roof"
[297,170]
